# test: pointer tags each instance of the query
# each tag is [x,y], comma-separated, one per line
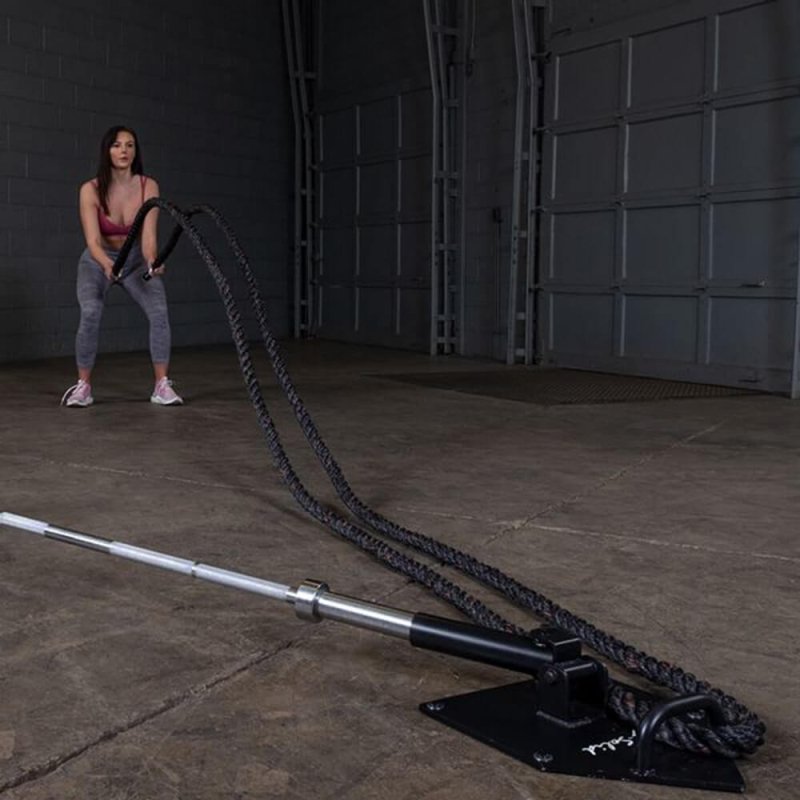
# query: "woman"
[108,205]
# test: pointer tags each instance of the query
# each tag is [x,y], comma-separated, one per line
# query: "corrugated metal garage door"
[671,180]
[373,276]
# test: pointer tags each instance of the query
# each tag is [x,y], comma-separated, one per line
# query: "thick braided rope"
[744,731]
[440,586]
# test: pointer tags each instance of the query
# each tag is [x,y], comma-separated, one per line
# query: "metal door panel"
[337,314]
[566,14]
[660,327]
[662,246]
[338,246]
[415,189]
[756,143]
[376,314]
[378,249]
[593,336]
[336,135]
[374,221]
[414,316]
[755,241]
[377,189]
[378,127]
[339,205]
[585,164]
[415,253]
[416,121]
[758,44]
[747,331]
[668,65]
[574,234]
[699,169]
[677,140]
[588,84]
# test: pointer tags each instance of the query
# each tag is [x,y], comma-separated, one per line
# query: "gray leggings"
[92,289]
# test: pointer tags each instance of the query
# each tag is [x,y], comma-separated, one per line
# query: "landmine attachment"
[555,721]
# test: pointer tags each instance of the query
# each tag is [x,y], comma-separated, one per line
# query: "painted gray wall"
[205,87]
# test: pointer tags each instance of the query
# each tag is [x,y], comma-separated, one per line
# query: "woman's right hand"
[109,271]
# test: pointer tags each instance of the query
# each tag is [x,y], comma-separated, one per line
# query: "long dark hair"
[104,163]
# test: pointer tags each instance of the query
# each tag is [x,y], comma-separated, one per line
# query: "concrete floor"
[672,524]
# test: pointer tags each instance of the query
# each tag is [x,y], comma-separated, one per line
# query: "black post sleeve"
[462,639]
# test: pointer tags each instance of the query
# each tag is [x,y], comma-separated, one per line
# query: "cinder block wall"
[205,88]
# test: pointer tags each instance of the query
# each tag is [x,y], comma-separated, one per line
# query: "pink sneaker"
[165,395]
[78,396]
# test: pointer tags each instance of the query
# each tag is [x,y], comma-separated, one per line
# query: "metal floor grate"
[563,386]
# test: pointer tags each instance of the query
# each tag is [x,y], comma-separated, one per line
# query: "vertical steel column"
[795,385]
[445,297]
[468,17]
[436,112]
[298,40]
[297,250]
[448,149]
[313,289]
[535,93]
[520,321]
[398,229]
[357,219]
[520,117]
[308,162]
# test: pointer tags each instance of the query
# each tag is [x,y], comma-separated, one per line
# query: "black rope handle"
[743,731]
[133,234]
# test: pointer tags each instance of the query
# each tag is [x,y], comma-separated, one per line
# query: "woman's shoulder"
[149,185]
[89,189]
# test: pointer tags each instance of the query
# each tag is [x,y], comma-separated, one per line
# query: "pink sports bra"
[109,228]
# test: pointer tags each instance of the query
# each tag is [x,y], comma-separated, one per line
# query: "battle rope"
[743,732]
[468,605]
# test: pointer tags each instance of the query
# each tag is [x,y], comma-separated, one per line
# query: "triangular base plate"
[505,718]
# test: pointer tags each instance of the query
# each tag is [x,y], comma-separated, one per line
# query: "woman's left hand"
[158,270]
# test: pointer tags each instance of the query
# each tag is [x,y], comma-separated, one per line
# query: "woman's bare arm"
[89,204]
